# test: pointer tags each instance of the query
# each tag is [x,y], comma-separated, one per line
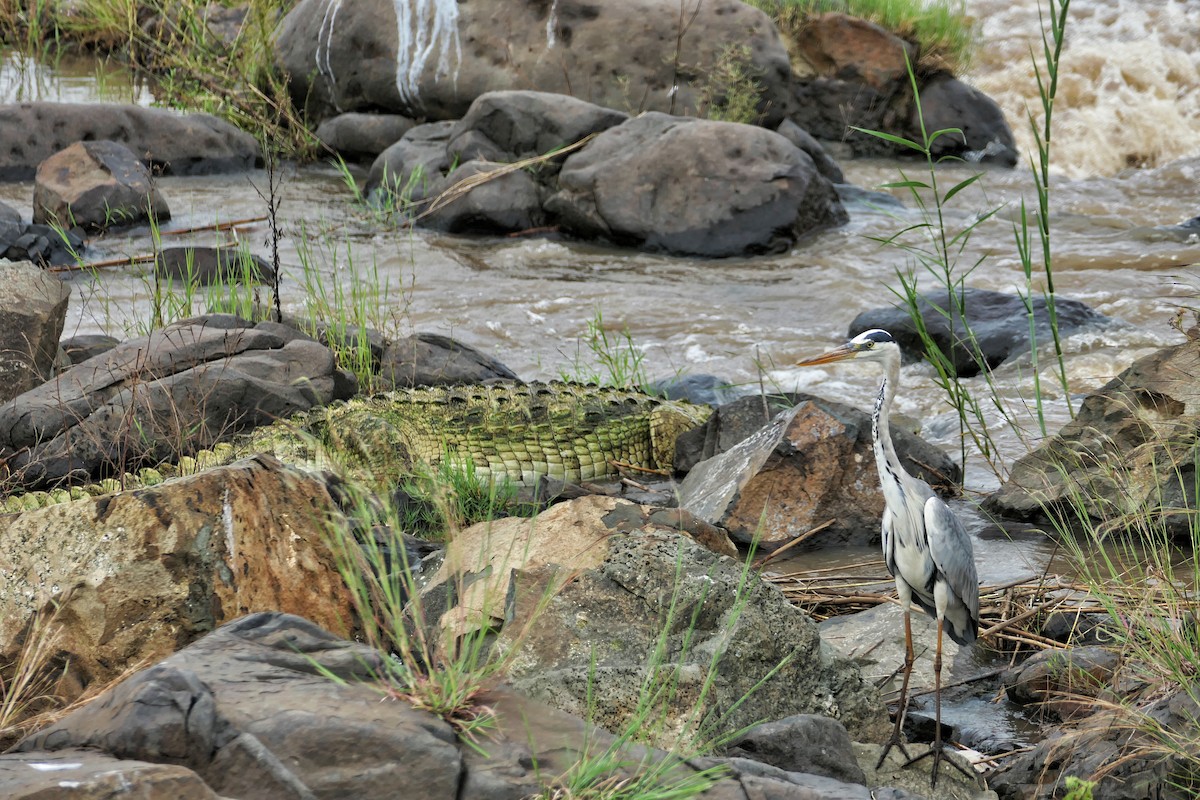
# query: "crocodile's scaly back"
[517,431]
[511,430]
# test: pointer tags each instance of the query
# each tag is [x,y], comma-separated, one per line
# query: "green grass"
[454,495]
[615,358]
[943,32]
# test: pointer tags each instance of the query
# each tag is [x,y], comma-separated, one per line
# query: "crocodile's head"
[668,422]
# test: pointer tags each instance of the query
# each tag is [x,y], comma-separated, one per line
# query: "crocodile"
[507,430]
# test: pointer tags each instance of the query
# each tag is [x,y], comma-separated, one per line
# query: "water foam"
[1129,87]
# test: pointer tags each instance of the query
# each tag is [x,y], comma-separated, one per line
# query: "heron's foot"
[895,741]
[939,753]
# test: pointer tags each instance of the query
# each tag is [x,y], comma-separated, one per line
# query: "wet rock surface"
[191,144]
[96,185]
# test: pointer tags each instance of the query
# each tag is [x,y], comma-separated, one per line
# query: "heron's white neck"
[886,459]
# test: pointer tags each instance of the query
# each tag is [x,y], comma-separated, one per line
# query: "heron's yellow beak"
[837,354]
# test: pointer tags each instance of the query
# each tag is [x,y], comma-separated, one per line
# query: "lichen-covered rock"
[659,592]
[1127,456]
[141,573]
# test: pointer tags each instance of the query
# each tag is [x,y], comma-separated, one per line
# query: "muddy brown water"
[1126,163]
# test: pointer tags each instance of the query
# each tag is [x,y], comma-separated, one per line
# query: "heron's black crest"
[878,336]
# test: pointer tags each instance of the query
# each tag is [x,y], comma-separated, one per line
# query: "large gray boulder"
[170,143]
[435,58]
[152,399]
[33,308]
[509,126]
[693,187]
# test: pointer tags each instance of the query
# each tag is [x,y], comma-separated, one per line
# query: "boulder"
[430,359]
[47,245]
[168,142]
[512,125]
[96,185]
[473,583]
[661,610]
[802,743]
[10,226]
[407,171]
[86,345]
[432,60]
[33,308]
[136,575]
[1127,455]
[998,320]
[362,137]
[852,73]
[824,162]
[693,187]
[484,198]
[151,399]
[247,713]
[812,466]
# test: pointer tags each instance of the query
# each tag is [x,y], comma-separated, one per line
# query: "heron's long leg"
[938,749]
[909,657]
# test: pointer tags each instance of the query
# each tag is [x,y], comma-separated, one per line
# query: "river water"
[1126,161]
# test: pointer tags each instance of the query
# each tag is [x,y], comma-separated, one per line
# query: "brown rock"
[95,185]
[480,561]
[811,467]
[848,48]
[141,573]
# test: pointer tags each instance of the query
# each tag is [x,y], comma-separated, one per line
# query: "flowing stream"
[1126,163]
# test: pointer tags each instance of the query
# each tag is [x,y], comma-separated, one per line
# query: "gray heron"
[925,547]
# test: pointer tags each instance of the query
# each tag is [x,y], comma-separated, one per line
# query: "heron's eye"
[870,343]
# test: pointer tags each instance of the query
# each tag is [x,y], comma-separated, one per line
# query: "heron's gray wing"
[953,555]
